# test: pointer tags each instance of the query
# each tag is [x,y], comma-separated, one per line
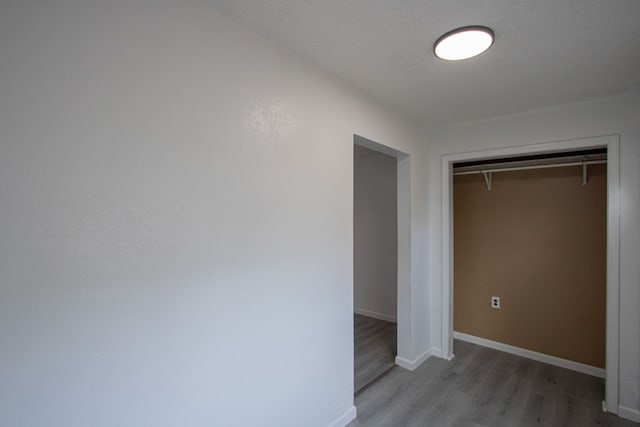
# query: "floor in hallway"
[375,349]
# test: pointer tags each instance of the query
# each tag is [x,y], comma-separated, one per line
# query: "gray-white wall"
[174,250]
[613,115]
[375,234]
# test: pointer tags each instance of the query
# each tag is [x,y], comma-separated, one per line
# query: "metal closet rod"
[522,168]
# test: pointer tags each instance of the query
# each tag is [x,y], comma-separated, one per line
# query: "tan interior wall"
[538,241]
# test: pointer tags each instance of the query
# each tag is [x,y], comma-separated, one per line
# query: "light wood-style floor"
[374,349]
[484,387]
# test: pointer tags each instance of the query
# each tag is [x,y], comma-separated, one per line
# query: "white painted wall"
[615,115]
[375,255]
[174,249]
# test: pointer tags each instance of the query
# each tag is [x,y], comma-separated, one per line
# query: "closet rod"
[522,168]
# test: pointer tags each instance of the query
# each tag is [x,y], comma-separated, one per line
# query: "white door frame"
[403,274]
[612,144]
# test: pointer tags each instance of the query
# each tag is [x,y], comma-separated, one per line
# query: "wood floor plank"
[482,387]
[375,343]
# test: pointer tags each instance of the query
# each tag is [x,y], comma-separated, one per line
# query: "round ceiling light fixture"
[463,43]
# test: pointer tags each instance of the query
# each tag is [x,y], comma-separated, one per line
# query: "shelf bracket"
[487,179]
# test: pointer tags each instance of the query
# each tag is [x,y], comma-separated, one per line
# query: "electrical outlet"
[495,303]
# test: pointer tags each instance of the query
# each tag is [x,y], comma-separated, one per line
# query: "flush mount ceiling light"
[463,43]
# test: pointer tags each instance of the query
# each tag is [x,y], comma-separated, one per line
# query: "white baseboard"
[436,352]
[534,355]
[345,418]
[413,364]
[629,413]
[375,315]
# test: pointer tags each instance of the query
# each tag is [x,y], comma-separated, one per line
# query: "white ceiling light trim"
[463,43]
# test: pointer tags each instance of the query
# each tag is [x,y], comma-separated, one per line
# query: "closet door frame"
[612,144]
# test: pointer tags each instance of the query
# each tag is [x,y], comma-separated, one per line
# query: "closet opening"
[530,254]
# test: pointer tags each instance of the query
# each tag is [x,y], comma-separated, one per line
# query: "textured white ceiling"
[547,52]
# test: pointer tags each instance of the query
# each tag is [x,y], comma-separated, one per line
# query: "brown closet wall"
[538,241]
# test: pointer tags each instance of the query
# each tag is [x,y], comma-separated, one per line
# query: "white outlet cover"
[495,302]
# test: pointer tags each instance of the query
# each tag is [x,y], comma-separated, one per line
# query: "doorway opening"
[610,146]
[379,252]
